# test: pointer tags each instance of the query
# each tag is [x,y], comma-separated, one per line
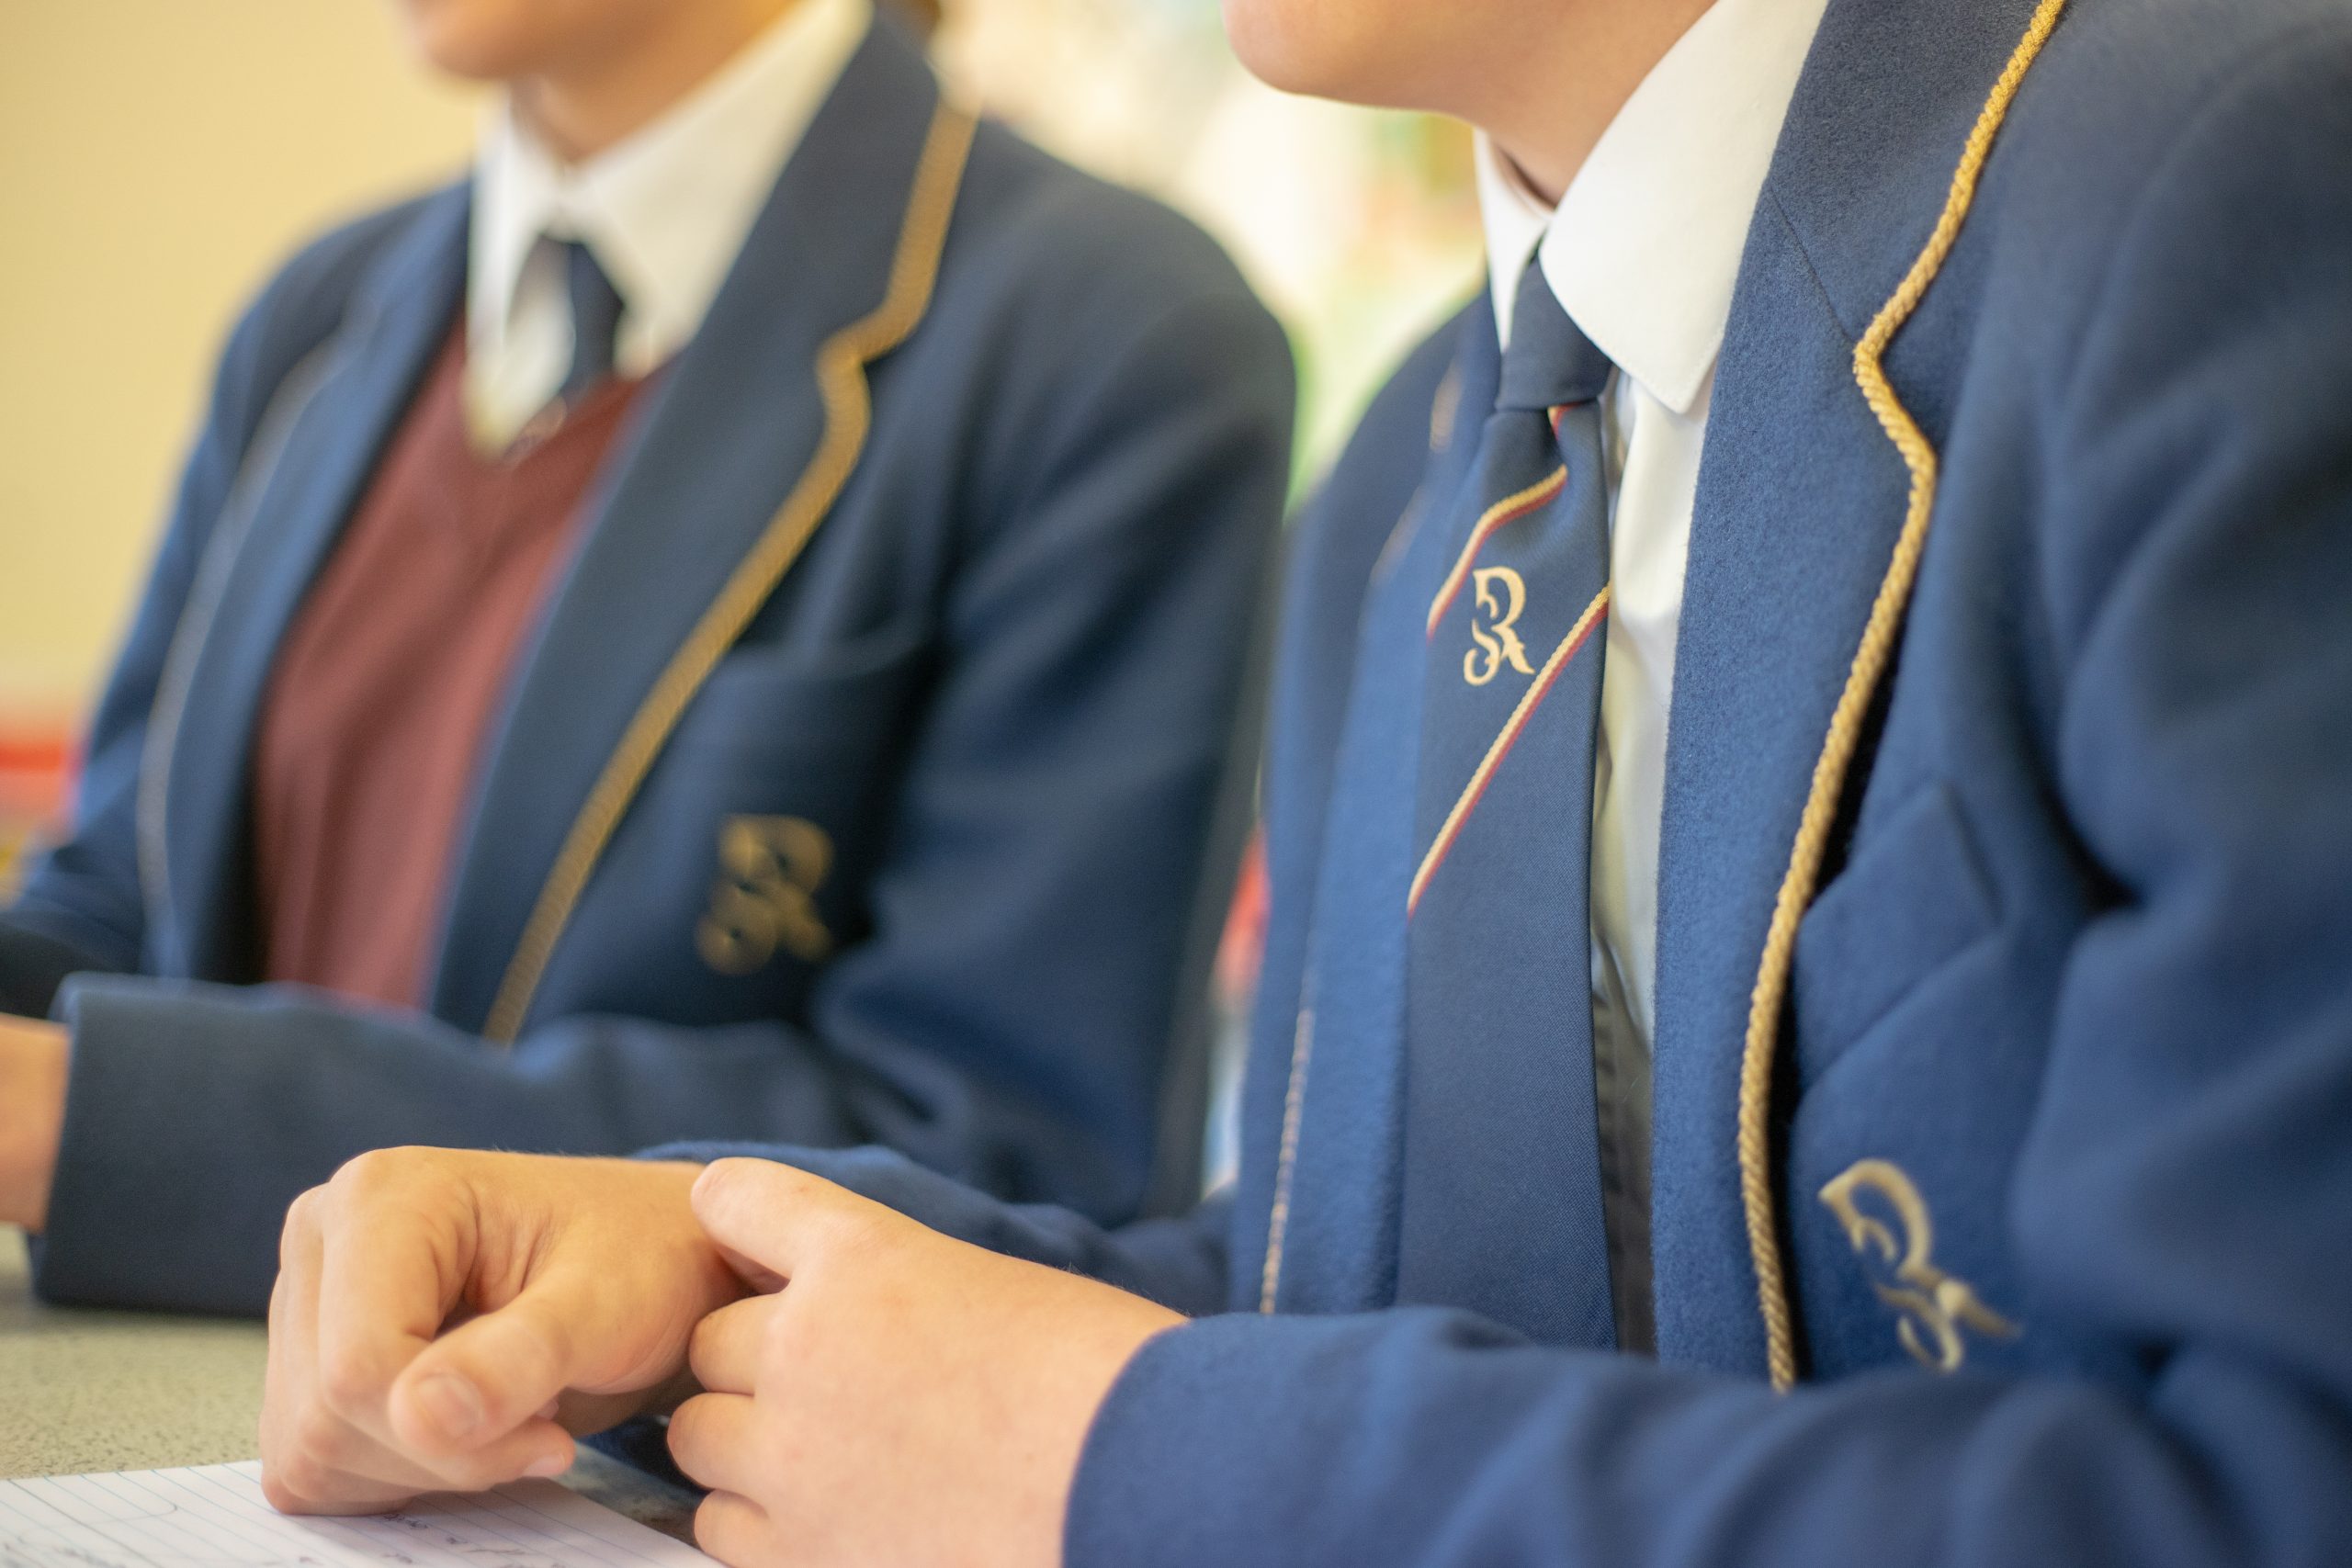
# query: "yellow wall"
[156,156]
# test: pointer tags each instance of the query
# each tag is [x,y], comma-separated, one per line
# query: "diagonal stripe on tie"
[1467,802]
[1509,509]
[1500,1207]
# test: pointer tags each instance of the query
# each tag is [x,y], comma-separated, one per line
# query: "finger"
[315,1459]
[725,1350]
[716,1439]
[733,1528]
[339,1469]
[314,1462]
[294,1478]
[291,1342]
[486,1383]
[395,1254]
[295,1486]
[537,1448]
[774,1216]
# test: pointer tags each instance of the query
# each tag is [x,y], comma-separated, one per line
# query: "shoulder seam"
[2222,93]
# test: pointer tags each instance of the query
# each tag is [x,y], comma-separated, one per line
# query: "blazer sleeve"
[81,907]
[2179,1208]
[1178,1261]
[1032,914]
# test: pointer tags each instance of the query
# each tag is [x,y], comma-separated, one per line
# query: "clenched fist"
[445,1320]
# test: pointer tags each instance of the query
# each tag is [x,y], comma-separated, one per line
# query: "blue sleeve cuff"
[1211,1448]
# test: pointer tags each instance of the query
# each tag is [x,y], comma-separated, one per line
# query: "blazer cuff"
[36,955]
[1211,1448]
[144,1209]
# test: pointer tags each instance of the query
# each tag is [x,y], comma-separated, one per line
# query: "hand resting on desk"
[883,1393]
[33,1057]
[445,1320]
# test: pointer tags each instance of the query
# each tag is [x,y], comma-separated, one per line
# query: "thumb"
[772,1220]
[489,1376]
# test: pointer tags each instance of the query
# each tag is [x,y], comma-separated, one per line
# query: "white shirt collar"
[1644,246]
[665,210]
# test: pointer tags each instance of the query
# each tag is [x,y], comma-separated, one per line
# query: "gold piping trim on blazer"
[1869,667]
[1445,406]
[841,381]
[1302,1045]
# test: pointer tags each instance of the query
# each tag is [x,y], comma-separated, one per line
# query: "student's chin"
[1297,46]
[1357,51]
[479,41]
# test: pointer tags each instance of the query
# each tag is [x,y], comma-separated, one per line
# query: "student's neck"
[599,99]
[1546,111]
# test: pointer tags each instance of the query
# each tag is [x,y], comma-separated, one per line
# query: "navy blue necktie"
[1501,1201]
[596,320]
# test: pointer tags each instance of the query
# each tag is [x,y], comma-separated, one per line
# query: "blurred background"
[158,156]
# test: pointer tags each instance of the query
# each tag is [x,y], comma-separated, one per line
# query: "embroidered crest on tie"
[1497,969]
[1533,527]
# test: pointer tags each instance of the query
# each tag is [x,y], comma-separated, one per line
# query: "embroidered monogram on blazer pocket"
[1913,899]
[812,736]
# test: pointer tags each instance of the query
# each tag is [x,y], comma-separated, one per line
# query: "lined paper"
[215,1517]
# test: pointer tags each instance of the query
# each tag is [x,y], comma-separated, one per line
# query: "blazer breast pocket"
[844,698]
[756,843]
[1913,897]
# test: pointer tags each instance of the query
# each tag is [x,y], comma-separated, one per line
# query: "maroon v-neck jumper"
[379,711]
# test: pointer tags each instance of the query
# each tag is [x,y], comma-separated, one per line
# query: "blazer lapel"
[306,470]
[1800,501]
[684,518]
[1339,1178]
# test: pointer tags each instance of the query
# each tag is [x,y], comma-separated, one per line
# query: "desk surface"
[119,1390]
[84,1391]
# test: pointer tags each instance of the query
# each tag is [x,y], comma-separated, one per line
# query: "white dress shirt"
[1643,251]
[664,211]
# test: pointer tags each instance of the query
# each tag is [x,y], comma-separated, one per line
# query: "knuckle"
[303,1212]
[278,1490]
[299,1477]
[302,1223]
[719,1182]
[743,1179]
[350,1382]
[318,1439]
[379,1175]
[367,1175]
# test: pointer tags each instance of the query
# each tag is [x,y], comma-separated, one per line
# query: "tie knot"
[596,309]
[1548,361]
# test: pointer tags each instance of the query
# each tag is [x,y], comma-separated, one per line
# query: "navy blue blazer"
[2059,1160]
[855,788]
